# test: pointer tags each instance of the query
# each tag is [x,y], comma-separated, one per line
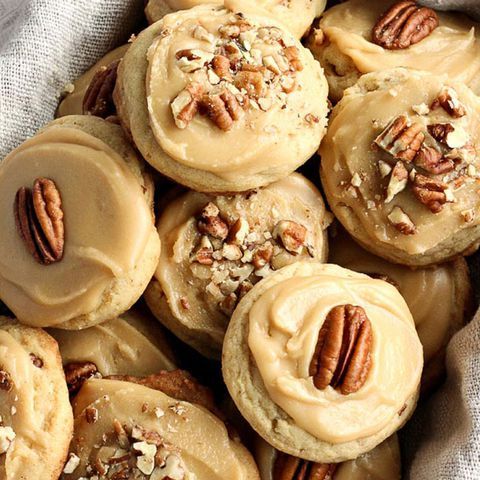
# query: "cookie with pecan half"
[311,360]
[215,249]
[79,243]
[36,418]
[358,37]
[400,166]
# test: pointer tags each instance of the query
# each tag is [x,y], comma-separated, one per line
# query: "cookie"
[216,248]
[81,247]
[357,37]
[311,360]
[400,167]
[439,297]
[98,82]
[36,418]
[214,116]
[132,344]
[296,15]
[126,427]
[381,463]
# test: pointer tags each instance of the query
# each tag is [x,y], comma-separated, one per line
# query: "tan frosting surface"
[284,323]
[293,198]
[131,344]
[347,152]
[260,140]
[453,47]
[429,292]
[198,439]
[102,203]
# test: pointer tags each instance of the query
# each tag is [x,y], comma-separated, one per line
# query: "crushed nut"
[238,231]
[449,101]
[398,181]
[210,222]
[468,215]
[91,414]
[6,382]
[384,168]
[185,105]
[293,57]
[221,66]
[291,234]
[430,192]
[72,463]
[263,255]
[401,221]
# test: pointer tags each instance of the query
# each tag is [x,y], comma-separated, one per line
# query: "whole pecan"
[433,161]
[403,24]
[39,220]
[287,467]
[76,373]
[342,355]
[6,382]
[98,96]
[430,192]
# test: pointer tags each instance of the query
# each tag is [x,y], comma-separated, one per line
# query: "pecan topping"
[252,82]
[432,161]
[221,66]
[222,109]
[185,105]
[98,97]
[401,138]
[449,101]
[342,356]
[398,181]
[91,414]
[404,24]
[239,231]
[440,131]
[287,467]
[293,57]
[210,222]
[39,220]
[76,373]
[430,192]
[37,361]
[6,382]
[401,221]
[262,256]
[292,235]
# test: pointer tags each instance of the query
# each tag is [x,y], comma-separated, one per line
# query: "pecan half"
[342,356]
[401,138]
[6,382]
[432,161]
[210,222]
[98,97]
[449,101]
[403,24]
[223,109]
[287,467]
[430,192]
[39,220]
[76,373]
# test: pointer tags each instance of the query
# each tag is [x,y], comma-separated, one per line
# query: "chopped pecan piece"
[398,181]
[91,414]
[342,356]
[210,222]
[404,24]
[401,138]
[432,161]
[39,220]
[185,105]
[98,99]
[263,255]
[222,109]
[221,66]
[6,382]
[37,361]
[228,304]
[291,234]
[204,256]
[252,82]
[76,373]
[238,231]
[401,221]
[287,467]
[293,57]
[440,131]
[449,101]
[430,192]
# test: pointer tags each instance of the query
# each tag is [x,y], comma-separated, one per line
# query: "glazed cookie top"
[217,248]
[400,159]
[35,413]
[452,47]
[132,344]
[436,296]
[296,15]
[300,317]
[233,94]
[152,436]
[69,204]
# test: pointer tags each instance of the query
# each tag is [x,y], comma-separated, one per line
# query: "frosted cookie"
[311,360]
[216,248]
[221,102]
[399,166]
[360,36]
[296,15]
[144,433]
[381,463]
[132,344]
[438,297]
[79,244]
[91,94]
[35,414]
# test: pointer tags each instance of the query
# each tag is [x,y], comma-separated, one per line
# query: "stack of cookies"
[162,212]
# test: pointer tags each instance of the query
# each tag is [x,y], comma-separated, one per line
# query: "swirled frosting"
[453,47]
[103,204]
[278,127]
[284,323]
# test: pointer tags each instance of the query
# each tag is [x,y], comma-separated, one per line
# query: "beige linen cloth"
[45,44]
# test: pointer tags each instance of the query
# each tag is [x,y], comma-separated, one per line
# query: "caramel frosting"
[102,203]
[284,325]
[359,170]
[381,463]
[276,92]
[296,15]
[163,437]
[453,47]
[431,293]
[203,290]
[132,344]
